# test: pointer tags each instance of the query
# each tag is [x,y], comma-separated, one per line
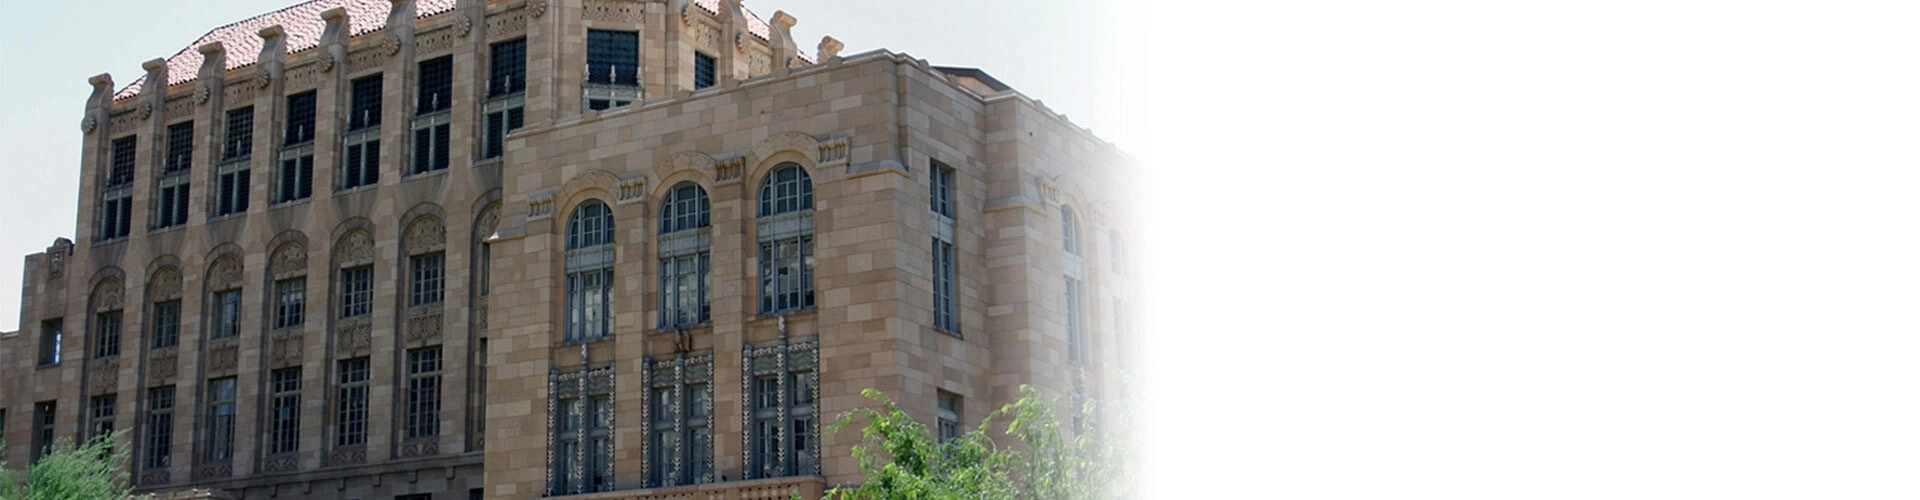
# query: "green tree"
[902,460]
[96,470]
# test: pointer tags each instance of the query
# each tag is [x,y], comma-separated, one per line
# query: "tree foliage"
[92,471]
[901,459]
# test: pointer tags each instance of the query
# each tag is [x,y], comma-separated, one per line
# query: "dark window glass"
[499,123]
[942,190]
[179,147]
[296,178]
[226,314]
[283,433]
[507,71]
[350,421]
[429,272]
[220,419]
[233,190]
[362,165]
[158,452]
[300,113]
[423,392]
[702,70]
[44,417]
[100,416]
[944,301]
[613,57]
[290,304]
[356,291]
[365,111]
[122,161]
[786,274]
[436,86]
[106,338]
[590,226]
[166,324]
[430,145]
[239,134]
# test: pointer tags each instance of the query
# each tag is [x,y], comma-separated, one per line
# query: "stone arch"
[225,271]
[108,292]
[486,222]
[590,180]
[353,243]
[767,166]
[685,161]
[164,280]
[426,231]
[804,146]
[289,257]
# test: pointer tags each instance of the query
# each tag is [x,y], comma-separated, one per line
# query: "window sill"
[692,328]
[951,333]
[423,175]
[166,229]
[575,342]
[288,203]
[362,187]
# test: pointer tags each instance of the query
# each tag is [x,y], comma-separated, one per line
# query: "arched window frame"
[589,272]
[785,230]
[685,253]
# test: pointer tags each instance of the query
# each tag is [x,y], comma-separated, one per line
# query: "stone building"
[525,248]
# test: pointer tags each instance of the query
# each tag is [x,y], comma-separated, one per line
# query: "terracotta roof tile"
[302,24]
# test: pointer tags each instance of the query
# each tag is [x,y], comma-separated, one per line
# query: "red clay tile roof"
[303,27]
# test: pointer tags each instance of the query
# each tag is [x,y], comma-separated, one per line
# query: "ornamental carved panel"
[426,235]
[163,366]
[226,274]
[834,151]
[237,94]
[489,222]
[288,261]
[356,248]
[355,338]
[123,121]
[286,463]
[423,328]
[304,77]
[729,169]
[179,107]
[365,60]
[433,42]
[150,477]
[165,284]
[223,357]
[103,377]
[108,296]
[480,310]
[286,348]
[213,471]
[705,36]
[425,447]
[350,455]
[759,61]
[507,24]
[613,11]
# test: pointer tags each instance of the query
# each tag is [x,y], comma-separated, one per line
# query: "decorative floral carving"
[355,338]
[426,235]
[325,63]
[729,169]
[143,111]
[536,8]
[348,456]
[107,297]
[264,80]
[740,42]
[706,36]
[162,366]
[356,248]
[289,260]
[282,463]
[165,284]
[392,44]
[424,328]
[223,358]
[287,348]
[89,123]
[201,92]
[213,471]
[226,274]
[463,26]
[613,11]
[424,447]
[489,222]
[512,22]
[105,377]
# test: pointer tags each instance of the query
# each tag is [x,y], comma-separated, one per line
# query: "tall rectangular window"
[239,136]
[174,178]
[100,416]
[290,304]
[943,287]
[356,291]
[158,452]
[941,190]
[115,212]
[771,455]
[801,421]
[613,57]
[589,308]
[283,433]
[51,335]
[703,70]
[106,334]
[1076,329]
[697,453]
[506,89]
[232,187]
[949,416]
[786,274]
[360,166]
[166,324]
[683,290]
[429,276]
[44,417]
[226,314]
[431,125]
[766,427]
[436,86]
[423,392]
[599,461]
[350,414]
[220,419]
[300,118]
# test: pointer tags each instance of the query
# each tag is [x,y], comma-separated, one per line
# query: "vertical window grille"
[50,338]
[941,187]
[589,280]
[944,301]
[423,392]
[660,441]
[679,432]
[166,324]
[429,276]
[220,419]
[360,164]
[356,291]
[226,314]
[696,452]
[507,68]
[431,126]
[613,57]
[283,436]
[100,417]
[702,70]
[766,426]
[174,180]
[300,117]
[239,136]
[44,418]
[158,452]
[684,257]
[949,416]
[509,117]
[786,274]
[581,414]
[801,422]
[350,417]
[781,412]
[232,187]
[290,306]
[116,200]
[295,176]
[566,428]
[106,339]
[600,422]
[365,110]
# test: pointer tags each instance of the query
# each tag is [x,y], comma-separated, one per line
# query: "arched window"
[589,272]
[684,256]
[786,189]
[786,240]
